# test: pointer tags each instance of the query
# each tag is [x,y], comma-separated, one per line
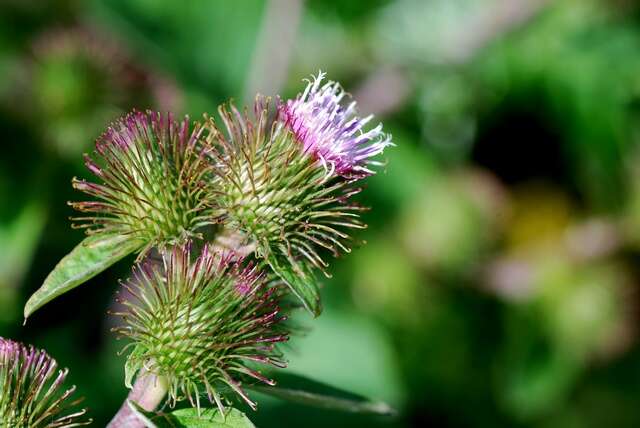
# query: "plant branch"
[274,46]
[148,392]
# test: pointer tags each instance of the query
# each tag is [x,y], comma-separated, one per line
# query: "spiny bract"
[154,181]
[202,324]
[31,390]
[278,196]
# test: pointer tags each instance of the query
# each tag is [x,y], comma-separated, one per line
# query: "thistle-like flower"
[154,181]
[274,194]
[202,325]
[100,80]
[332,132]
[31,390]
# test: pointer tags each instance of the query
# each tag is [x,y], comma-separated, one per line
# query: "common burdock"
[202,325]
[154,186]
[32,391]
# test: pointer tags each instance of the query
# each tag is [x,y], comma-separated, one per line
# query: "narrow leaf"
[302,390]
[142,415]
[92,256]
[205,418]
[300,280]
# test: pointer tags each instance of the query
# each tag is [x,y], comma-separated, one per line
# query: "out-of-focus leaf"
[21,235]
[92,256]
[20,238]
[300,389]
[340,341]
[300,280]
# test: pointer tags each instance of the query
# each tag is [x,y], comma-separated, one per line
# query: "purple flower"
[278,200]
[331,131]
[31,393]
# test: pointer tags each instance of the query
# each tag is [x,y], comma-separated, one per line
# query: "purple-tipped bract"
[154,180]
[31,390]
[202,324]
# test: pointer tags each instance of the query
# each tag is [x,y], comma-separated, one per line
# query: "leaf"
[191,418]
[300,280]
[142,414]
[92,256]
[208,418]
[21,234]
[302,390]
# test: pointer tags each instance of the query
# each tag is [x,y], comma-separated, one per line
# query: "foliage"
[500,269]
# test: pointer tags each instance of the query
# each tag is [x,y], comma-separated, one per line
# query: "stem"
[148,392]
[274,47]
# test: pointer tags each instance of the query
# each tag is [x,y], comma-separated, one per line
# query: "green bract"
[280,198]
[154,182]
[201,324]
[31,390]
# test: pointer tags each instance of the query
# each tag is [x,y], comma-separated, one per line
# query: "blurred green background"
[499,283]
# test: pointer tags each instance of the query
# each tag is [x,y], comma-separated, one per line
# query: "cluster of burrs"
[225,222]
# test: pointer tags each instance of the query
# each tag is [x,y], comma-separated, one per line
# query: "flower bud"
[202,325]
[31,390]
[286,184]
[154,187]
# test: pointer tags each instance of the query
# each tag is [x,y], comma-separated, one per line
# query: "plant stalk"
[148,392]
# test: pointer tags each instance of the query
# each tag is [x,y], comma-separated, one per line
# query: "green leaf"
[300,389]
[208,418]
[300,280]
[132,365]
[142,414]
[93,255]
[192,418]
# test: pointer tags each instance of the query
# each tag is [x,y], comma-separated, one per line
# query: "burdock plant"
[32,392]
[224,220]
[153,188]
[287,185]
[152,191]
[200,324]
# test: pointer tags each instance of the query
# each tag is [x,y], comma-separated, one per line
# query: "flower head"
[331,131]
[273,194]
[100,80]
[153,172]
[202,324]
[31,390]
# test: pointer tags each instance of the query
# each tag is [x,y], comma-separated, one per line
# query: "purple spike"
[331,132]
[31,383]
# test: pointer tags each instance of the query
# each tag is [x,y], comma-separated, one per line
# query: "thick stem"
[148,392]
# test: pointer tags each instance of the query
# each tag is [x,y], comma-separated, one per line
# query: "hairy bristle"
[154,180]
[32,390]
[202,323]
[274,194]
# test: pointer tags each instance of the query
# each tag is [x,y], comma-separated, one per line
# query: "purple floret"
[331,131]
